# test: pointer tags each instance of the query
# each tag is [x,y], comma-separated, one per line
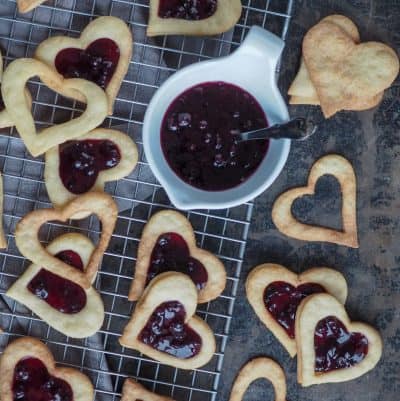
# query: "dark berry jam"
[81,162]
[60,293]
[97,63]
[171,253]
[32,382]
[282,300]
[2,105]
[197,140]
[166,331]
[187,9]
[336,348]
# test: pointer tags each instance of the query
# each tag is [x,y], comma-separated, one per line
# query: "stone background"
[371,141]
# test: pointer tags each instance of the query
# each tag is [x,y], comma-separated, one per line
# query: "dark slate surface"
[371,141]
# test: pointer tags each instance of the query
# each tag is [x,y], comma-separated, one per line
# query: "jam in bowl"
[189,125]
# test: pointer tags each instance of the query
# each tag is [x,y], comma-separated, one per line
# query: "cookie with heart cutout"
[15,78]
[101,55]
[275,293]
[259,368]
[344,72]
[330,347]
[133,391]
[64,305]
[28,371]
[24,6]
[168,243]
[26,234]
[343,171]
[201,18]
[87,163]
[164,325]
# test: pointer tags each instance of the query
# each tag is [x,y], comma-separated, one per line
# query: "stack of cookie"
[338,72]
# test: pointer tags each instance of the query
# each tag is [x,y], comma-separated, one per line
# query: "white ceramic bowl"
[252,67]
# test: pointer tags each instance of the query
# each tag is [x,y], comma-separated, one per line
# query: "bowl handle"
[261,46]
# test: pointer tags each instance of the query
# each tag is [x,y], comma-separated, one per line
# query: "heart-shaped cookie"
[27,241]
[168,243]
[133,391]
[60,302]
[275,293]
[286,223]
[259,368]
[101,54]
[28,372]
[205,18]
[87,163]
[164,325]
[344,72]
[15,78]
[331,348]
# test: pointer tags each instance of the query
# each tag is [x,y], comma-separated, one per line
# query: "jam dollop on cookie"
[187,9]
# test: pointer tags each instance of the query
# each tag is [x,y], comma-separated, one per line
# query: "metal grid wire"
[138,196]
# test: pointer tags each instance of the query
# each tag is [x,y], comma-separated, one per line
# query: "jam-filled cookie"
[63,304]
[18,107]
[133,391]
[168,243]
[164,325]
[330,347]
[25,6]
[101,55]
[192,17]
[87,163]
[275,293]
[28,372]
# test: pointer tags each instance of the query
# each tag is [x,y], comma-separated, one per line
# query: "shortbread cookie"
[331,348]
[168,243]
[15,78]
[87,163]
[28,372]
[344,72]
[164,325]
[259,368]
[202,18]
[275,293]
[286,223]
[133,391]
[25,6]
[27,241]
[101,55]
[63,304]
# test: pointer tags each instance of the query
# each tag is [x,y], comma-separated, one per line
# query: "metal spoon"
[298,129]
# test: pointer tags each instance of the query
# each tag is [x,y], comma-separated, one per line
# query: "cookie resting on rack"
[168,243]
[25,6]
[18,106]
[29,373]
[133,391]
[101,55]
[331,348]
[275,293]
[164,325]
[192,17]
[87,163]
[59,301]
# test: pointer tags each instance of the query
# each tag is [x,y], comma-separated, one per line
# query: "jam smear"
[96,63]
[197,140]
[166,331]
[336,348]
[32,382]
[282,300]
[187,9]
[60,293]
[2,105]
[171,253]
[81,162]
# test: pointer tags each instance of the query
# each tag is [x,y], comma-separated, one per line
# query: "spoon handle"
[297,129]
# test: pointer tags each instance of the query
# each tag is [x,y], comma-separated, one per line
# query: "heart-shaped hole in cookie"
[164,325]
[168,243]
[322,209]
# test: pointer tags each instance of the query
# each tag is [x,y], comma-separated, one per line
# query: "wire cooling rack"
[223,232]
